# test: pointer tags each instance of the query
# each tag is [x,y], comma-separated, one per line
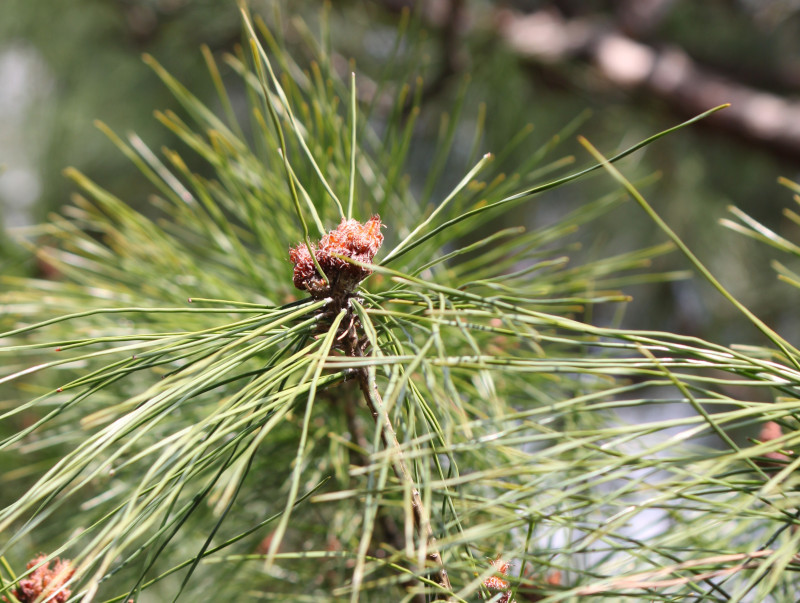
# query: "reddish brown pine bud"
[351,239]
[45,583]
[771,431]
[496,583]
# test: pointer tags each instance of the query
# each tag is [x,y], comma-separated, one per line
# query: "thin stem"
[387,523]
[421,517]
[351,193]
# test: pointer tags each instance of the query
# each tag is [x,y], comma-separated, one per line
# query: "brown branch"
[421,517]
[646,579]
[671,75]
[547,38]
[387,523]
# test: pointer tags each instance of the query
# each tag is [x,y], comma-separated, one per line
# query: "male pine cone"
[351,239]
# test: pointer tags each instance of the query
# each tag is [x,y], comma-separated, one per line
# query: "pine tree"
[290,378]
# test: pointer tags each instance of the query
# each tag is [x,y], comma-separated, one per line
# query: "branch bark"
[670,74]
[421,516]
[387,523]
[647,580]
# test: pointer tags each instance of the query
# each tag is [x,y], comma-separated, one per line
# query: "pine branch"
[421,517]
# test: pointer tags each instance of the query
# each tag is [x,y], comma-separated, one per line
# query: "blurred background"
[640,66]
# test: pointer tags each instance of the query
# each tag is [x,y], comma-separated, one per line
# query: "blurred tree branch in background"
[670,75]
[610,43]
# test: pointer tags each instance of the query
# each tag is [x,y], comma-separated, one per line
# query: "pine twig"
[387,523]
[421,517]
